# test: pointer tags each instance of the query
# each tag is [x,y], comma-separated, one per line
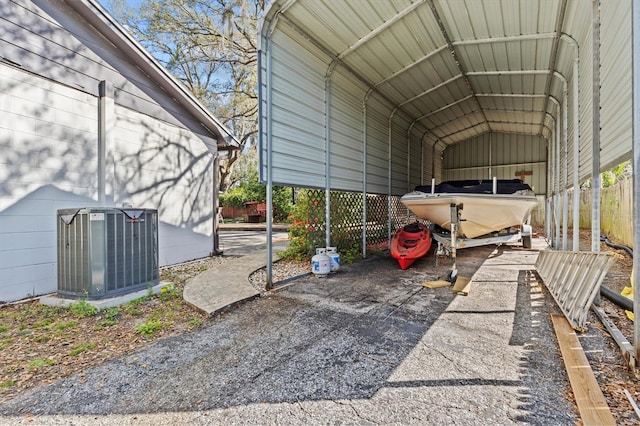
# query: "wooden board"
[462,286]
[591,403]
[436,284]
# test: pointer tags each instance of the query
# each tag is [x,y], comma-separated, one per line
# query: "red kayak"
[409,243]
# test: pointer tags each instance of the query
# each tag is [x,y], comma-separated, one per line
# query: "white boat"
[483,207]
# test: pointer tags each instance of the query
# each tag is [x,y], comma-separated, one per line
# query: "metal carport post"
[635,22]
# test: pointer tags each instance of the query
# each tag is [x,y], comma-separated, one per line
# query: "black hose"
[604,239]
[616,298]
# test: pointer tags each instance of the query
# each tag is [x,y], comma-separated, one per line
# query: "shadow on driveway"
[368,344]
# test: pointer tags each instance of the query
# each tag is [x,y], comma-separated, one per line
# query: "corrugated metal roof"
[460,68]
[425,72]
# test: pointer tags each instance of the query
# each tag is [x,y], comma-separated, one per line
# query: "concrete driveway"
[368,345]
[241,242]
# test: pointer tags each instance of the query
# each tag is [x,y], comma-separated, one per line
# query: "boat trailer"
[449,242]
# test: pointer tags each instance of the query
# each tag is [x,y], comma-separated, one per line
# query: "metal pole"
[565,138]
[454,234]
[216,205]
[556,181]
[106,118]
[547,219]
[433,160]
[552,176]
[576,154]
[269,143]
[364,172]
[389,165]
[595,108]
[409,157]
[422,160]
[490,171]
[562,189]
[636,169]
[327,154]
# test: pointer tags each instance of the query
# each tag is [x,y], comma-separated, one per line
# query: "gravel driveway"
[368,345]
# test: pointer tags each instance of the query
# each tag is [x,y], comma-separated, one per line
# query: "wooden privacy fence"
[616,211]
[252,211]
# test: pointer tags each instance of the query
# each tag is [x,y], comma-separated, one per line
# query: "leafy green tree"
[245,168]
[612,176]
[245,186]
[211,47]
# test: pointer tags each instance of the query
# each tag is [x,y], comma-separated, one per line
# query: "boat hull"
[480,214]
[410,243]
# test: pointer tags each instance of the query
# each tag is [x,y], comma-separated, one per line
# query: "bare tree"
[211,46]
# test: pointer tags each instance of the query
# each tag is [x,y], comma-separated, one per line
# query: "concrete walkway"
[276,227]
[228,284]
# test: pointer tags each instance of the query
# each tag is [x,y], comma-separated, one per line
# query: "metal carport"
[375,96]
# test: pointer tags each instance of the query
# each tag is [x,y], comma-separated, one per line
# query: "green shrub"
[351,254]
[252,190]
[306,231]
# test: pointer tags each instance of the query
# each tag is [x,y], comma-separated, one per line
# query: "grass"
[80,347]
[65,325]
[169,292]
[6,384]
[110,317]
[38,363]
[83,309]
[43,338]
[133,307]
[34,337]
[150,327]
[5,342]
[195,322]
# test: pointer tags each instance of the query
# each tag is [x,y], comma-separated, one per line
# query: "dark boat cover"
[504,186]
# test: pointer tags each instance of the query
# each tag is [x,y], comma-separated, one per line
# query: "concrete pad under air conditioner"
[56,300]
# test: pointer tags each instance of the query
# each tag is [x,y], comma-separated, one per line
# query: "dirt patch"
[41,344]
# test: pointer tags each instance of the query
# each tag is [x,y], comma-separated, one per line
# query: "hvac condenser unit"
[106,252]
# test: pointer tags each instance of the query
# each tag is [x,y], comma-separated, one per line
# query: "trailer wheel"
[451,276]
[526,241]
